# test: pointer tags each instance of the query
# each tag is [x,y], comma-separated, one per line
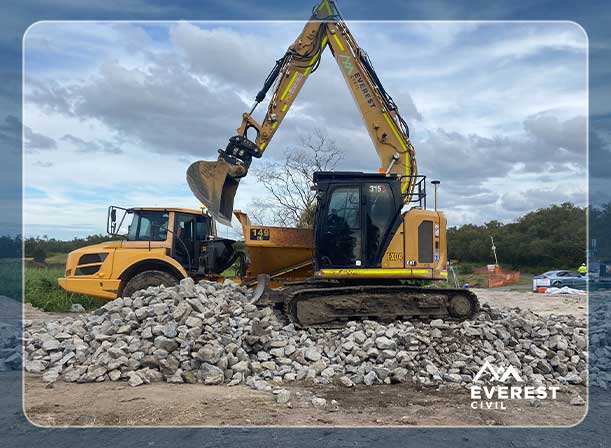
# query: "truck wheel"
[146,279]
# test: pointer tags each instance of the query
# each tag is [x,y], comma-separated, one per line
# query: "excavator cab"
[366,226]
[357,215]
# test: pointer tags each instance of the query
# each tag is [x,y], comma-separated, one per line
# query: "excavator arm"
[215,183]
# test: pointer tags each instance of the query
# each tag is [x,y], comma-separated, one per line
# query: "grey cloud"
[549,145]
[10,132]
[10,83]
[49,95]
[188,101]
[342,112]
[89,146]
[600,191]
[41,164]
[33,141]
[457,197]
[600,149]
[532,199]
[408,108]
[224,54]
[164,108]
[569,134]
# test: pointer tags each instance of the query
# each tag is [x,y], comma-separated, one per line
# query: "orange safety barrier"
[507,278]
[498,277]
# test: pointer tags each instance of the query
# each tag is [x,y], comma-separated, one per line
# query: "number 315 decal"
[380,188]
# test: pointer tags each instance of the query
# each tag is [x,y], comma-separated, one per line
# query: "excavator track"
[331,307]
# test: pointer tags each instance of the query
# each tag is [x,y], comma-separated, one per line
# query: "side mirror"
[113,215]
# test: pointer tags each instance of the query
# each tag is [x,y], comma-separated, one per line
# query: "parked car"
[561,278]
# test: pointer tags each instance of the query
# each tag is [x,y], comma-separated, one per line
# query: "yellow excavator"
[373,236]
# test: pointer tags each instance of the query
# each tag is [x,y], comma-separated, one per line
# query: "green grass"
[231,271]
[42,291]
[56,258]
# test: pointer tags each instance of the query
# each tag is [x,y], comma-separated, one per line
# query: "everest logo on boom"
[495,396]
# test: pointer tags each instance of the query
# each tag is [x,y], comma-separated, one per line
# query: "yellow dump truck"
[156,246]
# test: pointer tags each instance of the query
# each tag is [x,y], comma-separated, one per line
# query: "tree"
[600,231]
[545,239]
[289,179]
[38,253]
[10,247]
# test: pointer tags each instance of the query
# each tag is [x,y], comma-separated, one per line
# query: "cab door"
[185,239]
[339,235]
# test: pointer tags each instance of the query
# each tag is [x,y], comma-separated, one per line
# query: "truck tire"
[148,278]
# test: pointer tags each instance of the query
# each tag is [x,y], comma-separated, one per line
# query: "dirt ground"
[118,404]
[543,304]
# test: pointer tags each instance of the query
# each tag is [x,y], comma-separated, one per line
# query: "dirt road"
[111,404]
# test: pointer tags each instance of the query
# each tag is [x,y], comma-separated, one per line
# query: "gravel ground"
[117,403]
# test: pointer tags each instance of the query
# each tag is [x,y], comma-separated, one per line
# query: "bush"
[10,278]
[548,238]
[38,254]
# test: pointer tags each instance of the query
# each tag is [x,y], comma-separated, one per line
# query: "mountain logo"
[346,63]
[501,374]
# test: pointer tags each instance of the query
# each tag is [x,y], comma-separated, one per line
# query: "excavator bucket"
[213,184]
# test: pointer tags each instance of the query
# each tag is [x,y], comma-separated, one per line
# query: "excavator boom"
[215,183]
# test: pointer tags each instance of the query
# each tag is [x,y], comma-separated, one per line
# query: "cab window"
[202,228]
[345,207]
[148,226]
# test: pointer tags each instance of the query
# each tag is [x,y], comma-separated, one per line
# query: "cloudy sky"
[114,113]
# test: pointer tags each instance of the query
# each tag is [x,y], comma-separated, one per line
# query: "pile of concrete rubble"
[10,334]
[10,347]
[210,333]
[600,339]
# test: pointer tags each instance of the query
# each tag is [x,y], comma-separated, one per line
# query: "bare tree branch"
[288,181]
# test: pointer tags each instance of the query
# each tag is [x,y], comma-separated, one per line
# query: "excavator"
[373,237]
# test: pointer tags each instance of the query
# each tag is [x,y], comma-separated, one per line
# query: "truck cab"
[154,246]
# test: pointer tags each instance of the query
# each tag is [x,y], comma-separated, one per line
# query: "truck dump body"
[283,253]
